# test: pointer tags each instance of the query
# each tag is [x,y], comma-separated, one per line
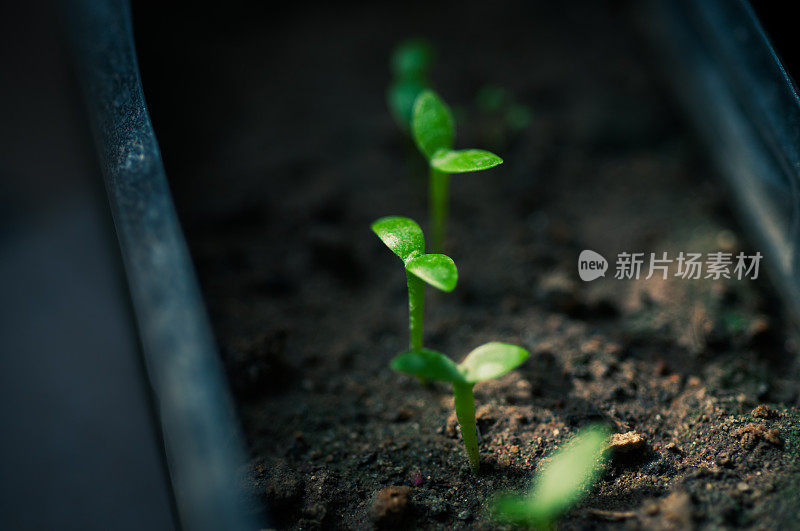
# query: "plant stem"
[465,413]
[438,206]
[416,309]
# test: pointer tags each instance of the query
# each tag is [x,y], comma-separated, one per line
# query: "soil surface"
[285,156]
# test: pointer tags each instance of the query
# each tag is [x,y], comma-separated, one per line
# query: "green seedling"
[411,64]
[486,362]
[412,58]
[501,117]
[559,485]
[404,237]
[434,133]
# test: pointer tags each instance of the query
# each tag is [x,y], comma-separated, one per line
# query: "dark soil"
[283,158]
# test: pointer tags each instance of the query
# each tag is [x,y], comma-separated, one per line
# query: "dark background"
[78,443]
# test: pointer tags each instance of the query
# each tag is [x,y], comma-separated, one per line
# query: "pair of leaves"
[560,484]
[434,132]
[405,238]
[486,362]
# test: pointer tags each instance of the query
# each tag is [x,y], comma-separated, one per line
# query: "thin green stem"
[438,206]
[416,309]
[465,413]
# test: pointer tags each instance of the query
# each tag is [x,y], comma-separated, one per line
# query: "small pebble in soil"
[763,411]
[677,508]
[724,459]
[727,241]
[773,437]
[627,444]
[758,330]
[391,506]
[673,512]
[651,507]
[672,447]
[750,435]
[402,414]
[559,292]
[315,512]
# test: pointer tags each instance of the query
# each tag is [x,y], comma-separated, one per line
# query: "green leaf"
[401,235]
[561,483]
[492,360]
[428,364]
[401,97]
[437,270]
[432,124]
[412,58]
[464,160]
[515,509]
[573,468]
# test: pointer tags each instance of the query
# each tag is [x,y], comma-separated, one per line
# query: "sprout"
[562,482]
[412,58]
[484,363]
[411,64]
[404,237]
[501,117]
[434,132]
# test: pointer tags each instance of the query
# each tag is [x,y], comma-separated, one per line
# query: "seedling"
[434,133]
[486,362]
[561,484]
[404,237]
[412,58]
[501,117]
[411,64]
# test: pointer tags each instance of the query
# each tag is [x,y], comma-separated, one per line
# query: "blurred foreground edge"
[745,107]
[203,445]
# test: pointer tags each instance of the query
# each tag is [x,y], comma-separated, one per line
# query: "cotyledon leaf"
[491,361]
[438,270]
[432,124]
[464,160]
[561,483]
[428,364]
[402,235]
[571,471]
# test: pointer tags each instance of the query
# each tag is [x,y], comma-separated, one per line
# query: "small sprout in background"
[562,482]
[411,64]
[491,98]
[412,58]
[501,117]
[486,362]
[404,237]
[434,132]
